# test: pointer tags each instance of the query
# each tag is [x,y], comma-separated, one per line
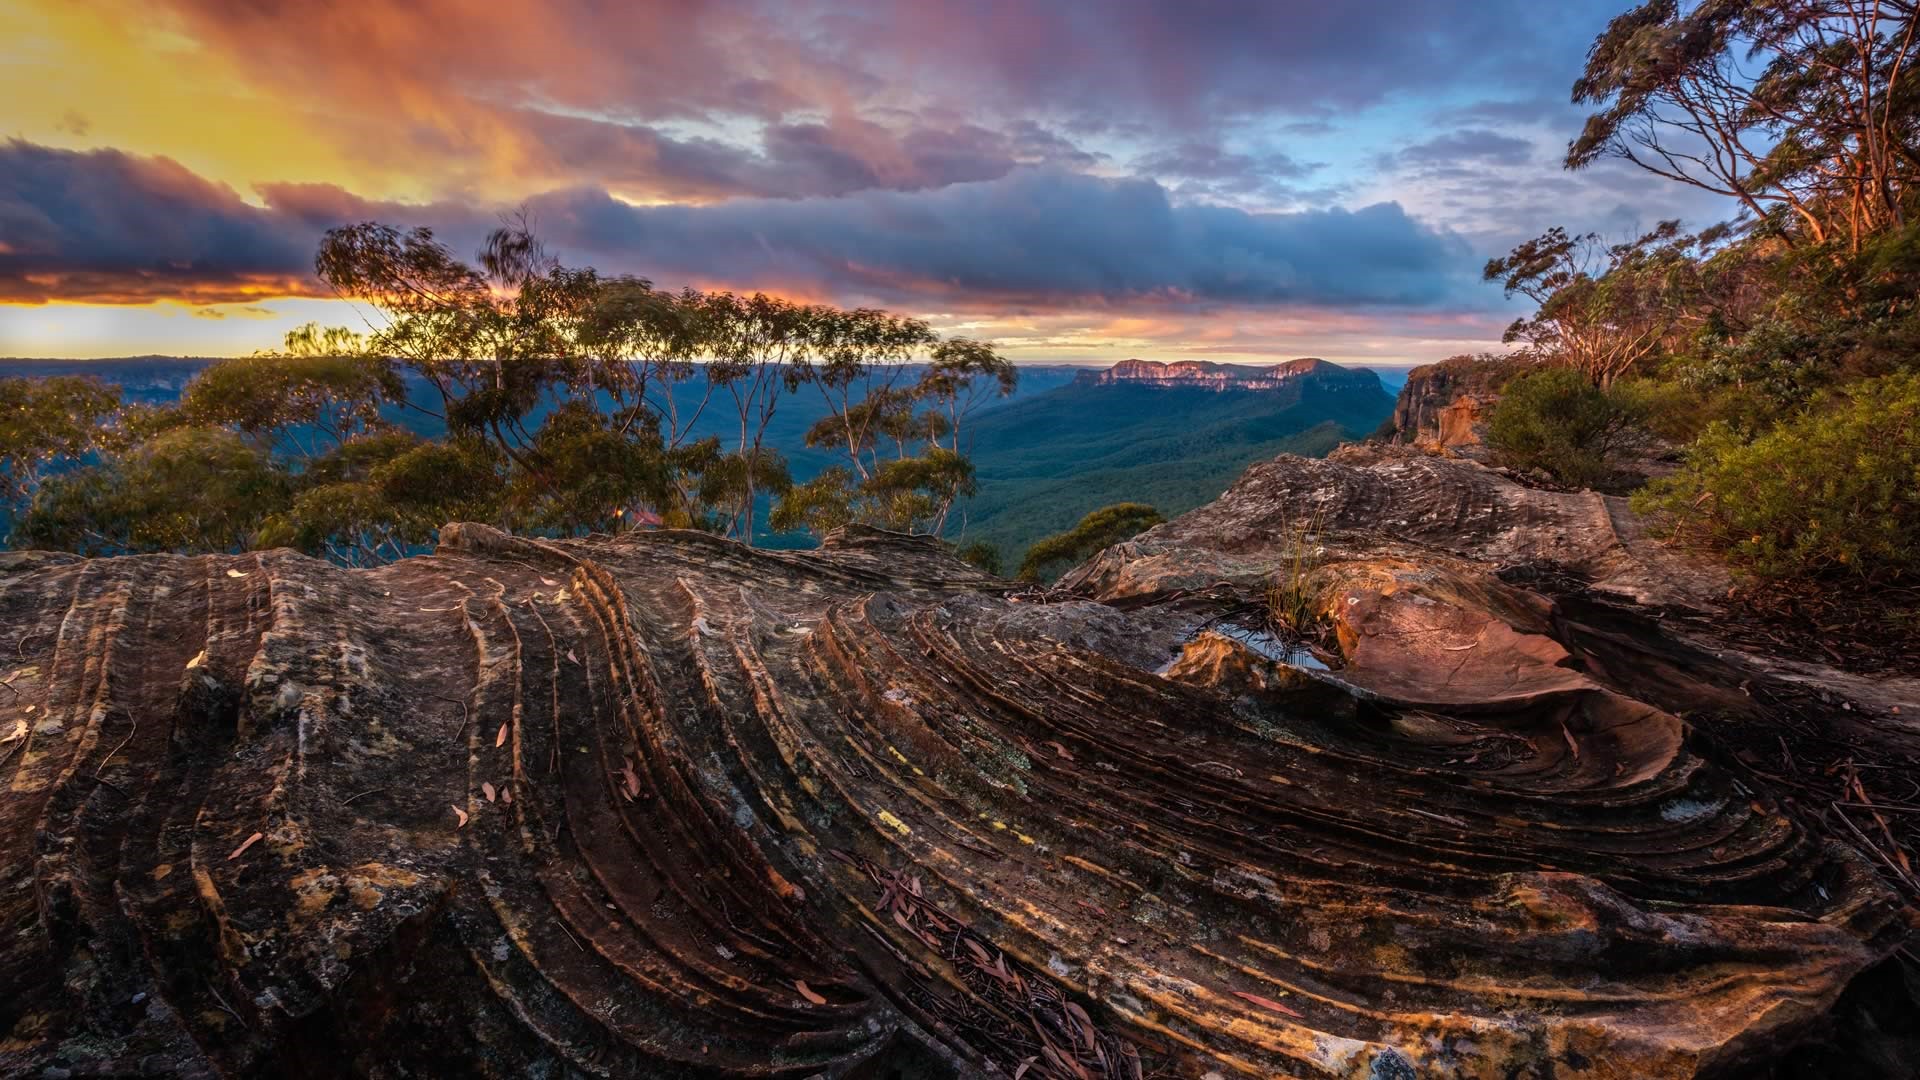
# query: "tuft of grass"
[1295,607]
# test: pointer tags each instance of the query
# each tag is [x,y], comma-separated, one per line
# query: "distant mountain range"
[1173,435]
[1208,375]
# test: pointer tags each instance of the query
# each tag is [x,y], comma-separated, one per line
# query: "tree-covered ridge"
[561,402]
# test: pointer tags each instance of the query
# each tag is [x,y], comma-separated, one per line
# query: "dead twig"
[465,716]
[215,991]
[121,746]
[1867,844]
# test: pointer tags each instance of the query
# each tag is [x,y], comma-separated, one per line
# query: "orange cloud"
[144,287]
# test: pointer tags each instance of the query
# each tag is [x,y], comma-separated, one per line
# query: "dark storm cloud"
[1035,237]
[1205,59]
[107,226]
[111,227]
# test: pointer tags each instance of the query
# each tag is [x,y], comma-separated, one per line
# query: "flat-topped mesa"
[666,806]
[1215,376]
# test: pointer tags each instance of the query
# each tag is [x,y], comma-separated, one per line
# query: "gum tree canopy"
[516,391]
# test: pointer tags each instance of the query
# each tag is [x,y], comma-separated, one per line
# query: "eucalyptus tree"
[915,486]
[1803,110]
[861,359]
[1601,309]
[323,382]
[508,348]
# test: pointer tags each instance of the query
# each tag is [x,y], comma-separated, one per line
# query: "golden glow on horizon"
[86,331]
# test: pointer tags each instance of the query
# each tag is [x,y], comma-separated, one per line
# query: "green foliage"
[1556,420]
[981,556]
[1778,349]
[1096,532]
[907,494]
[188,489]
[1836,488]
[596,471]
[45,423]
[265,396]
[1802,111]
[915,489]
[820,505]
[377,496]
[1602,310]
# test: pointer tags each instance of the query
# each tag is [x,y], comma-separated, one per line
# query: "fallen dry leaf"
[572,657]
[244,845]
[462,814]
[808,992]
[1265,1003]
[487,790]
[549,582]
[501,739]
[236,573]
[19,731]
[631,780]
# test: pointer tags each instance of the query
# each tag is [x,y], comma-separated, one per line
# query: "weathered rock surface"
[666,806]
[1374,501]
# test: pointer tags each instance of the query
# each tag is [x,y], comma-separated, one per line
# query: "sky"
[1076,180]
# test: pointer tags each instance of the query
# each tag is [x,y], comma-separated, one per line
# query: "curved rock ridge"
[663,805]
[1372,501]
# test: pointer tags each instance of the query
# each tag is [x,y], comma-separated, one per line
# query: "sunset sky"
[1078,181]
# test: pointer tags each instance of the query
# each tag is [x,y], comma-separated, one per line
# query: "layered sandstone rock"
[665,806]
[1208,375]
[1444,406]
[1377,501]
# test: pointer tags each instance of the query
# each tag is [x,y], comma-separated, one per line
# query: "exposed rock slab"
[666,806]
[1378,502]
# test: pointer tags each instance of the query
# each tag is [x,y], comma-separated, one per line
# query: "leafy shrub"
[1556,420]
[48,423]
[981,555]
[188,489]
[1095,533]
[1836,488]
[1665,410]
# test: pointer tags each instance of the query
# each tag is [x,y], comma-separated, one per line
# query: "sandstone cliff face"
[667,806]
[1212,376]
[1444,406]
